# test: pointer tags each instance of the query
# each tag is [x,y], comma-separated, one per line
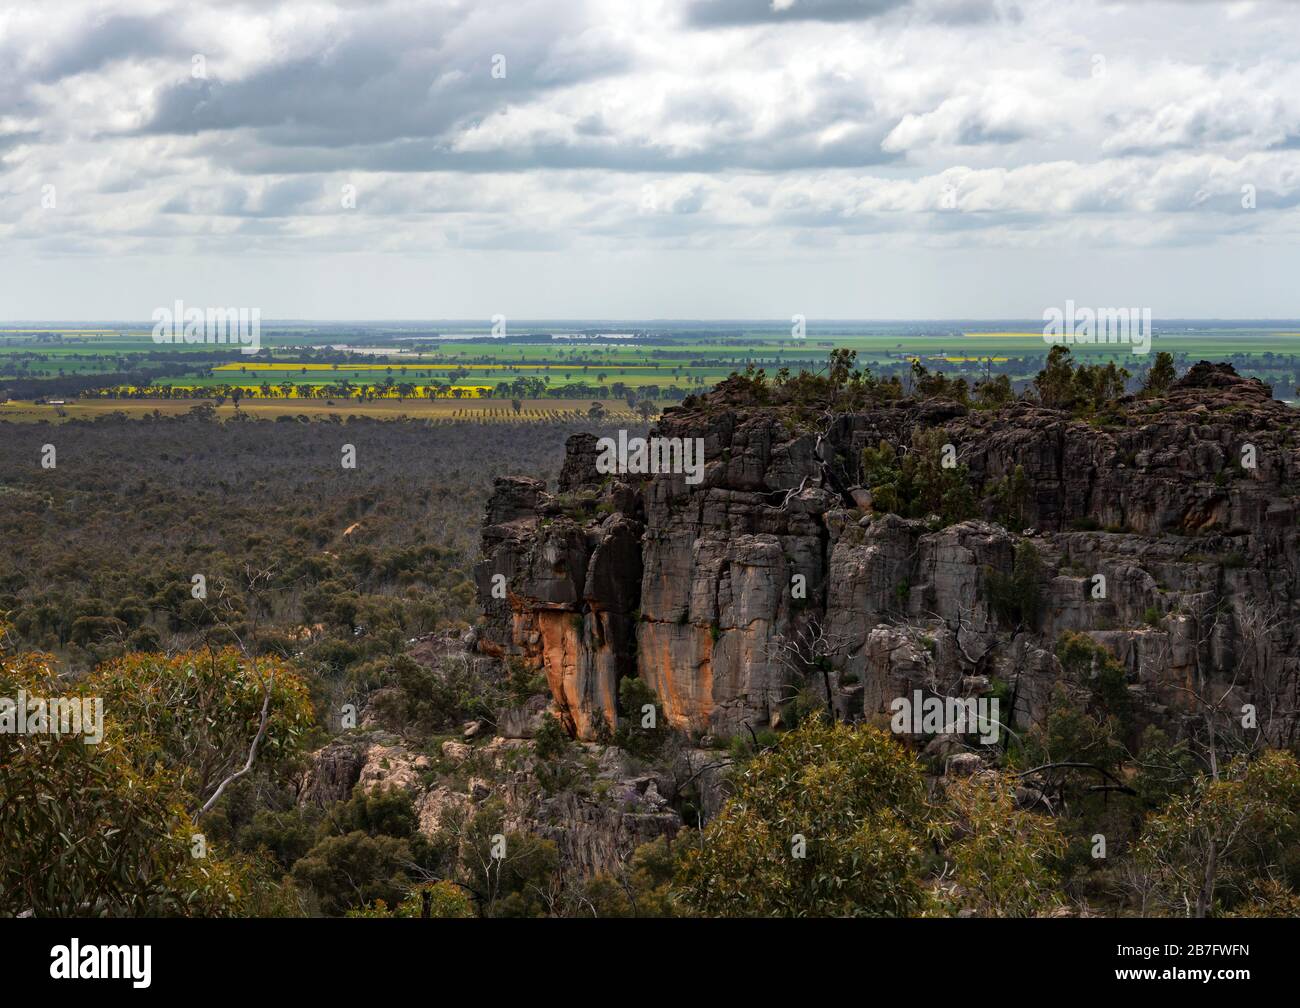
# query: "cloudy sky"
[649,158]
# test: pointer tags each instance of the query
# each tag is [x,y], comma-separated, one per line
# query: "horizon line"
[145,323]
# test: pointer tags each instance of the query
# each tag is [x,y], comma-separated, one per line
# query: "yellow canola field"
[378,392]
[383,365]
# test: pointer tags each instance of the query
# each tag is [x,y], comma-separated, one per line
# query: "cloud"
[716,13]
[808,125]
[734,13]
[387,74]
[98,43]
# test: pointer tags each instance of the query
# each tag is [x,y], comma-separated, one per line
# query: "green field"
[661,361]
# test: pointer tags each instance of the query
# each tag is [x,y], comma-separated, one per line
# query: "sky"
[364,159]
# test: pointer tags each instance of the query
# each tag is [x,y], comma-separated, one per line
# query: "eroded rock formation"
[703,591]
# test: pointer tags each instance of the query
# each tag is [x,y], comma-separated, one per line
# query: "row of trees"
[288,390]
[841,386]
[529,388]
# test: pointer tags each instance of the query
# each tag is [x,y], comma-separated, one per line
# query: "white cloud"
[795,130]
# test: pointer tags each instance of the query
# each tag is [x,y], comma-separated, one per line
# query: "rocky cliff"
[1166,533]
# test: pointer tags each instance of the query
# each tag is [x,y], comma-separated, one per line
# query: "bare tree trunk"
[1205,899]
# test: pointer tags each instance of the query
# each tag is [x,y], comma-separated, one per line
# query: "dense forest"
[299,556]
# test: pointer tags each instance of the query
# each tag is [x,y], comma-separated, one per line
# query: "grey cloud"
[966,12]
[688,203]
[734,140]
[722,13]
[592,126]
[736,13]
[975,131]
[90,46]
[284,198]
[388,78]
[104,41]
[858,149]
[8,141]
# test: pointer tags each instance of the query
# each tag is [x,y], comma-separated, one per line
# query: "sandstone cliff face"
[560,586]
[702,591]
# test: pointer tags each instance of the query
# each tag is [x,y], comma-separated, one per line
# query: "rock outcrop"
[1167,534]
[594,829]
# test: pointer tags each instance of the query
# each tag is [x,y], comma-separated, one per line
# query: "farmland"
[393,368]
[438,411]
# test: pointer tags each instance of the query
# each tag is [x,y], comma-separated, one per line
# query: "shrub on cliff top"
[839,386]
[1160,375]
[1088,389]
